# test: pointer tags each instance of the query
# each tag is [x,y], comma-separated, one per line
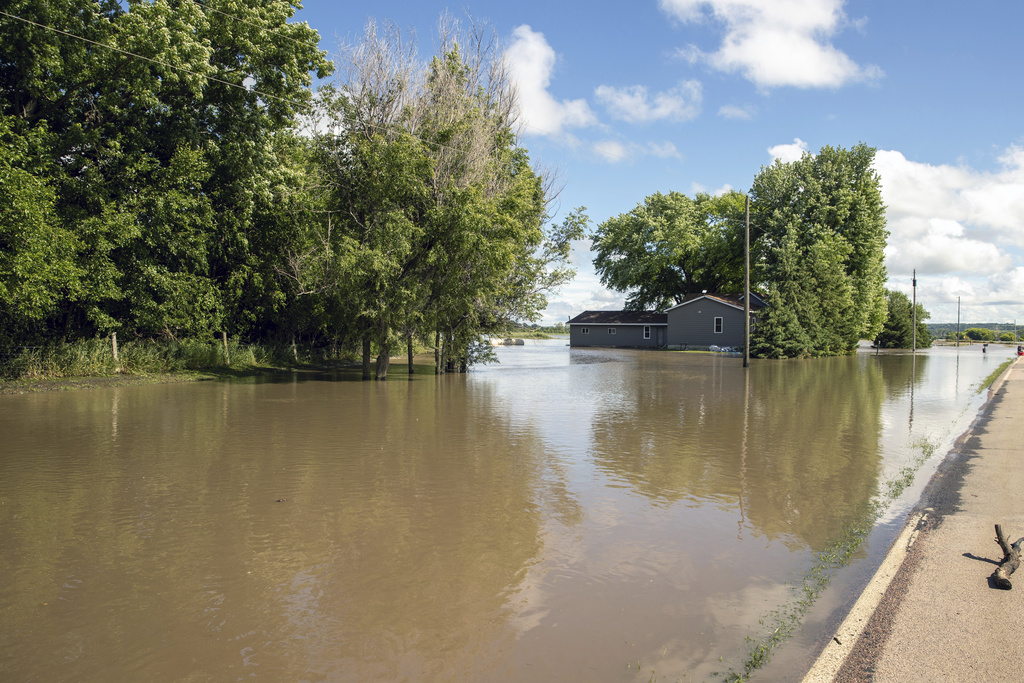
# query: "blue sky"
[624,99]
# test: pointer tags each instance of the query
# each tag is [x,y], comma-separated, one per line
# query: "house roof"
[620,318]
[733,300]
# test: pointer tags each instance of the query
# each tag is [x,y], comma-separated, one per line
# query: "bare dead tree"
[471,105]
[381,81]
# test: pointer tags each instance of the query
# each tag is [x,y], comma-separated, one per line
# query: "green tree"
[669,246]
[1008,337]
[979,334]
[819,226]
[898,330]
[434,222]
[38,268]
[780,332]
[160,120]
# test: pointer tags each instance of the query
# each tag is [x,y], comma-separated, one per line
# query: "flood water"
[598,515]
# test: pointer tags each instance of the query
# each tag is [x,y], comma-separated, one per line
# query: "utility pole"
[746,288]
[914,285]
[958,322]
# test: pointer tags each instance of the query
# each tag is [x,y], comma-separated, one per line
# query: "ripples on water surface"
[565,515]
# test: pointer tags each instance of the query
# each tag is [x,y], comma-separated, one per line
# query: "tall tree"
[669,246]
[898,330]
[160,120]
[438,217]
[820,227]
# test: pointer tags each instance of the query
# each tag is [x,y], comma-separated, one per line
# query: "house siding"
[625,335]
[693,324]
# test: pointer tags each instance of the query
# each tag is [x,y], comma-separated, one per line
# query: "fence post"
[113,346]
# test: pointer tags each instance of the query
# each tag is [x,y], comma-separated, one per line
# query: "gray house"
[710,320]
[698,322]
[638,329]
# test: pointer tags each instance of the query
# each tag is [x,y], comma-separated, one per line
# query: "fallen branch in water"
[1011,560]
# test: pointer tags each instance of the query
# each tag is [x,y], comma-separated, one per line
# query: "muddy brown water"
[599,515]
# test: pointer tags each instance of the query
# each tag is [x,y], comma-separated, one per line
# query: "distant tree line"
[171,174]
[1004,332]
[817,240]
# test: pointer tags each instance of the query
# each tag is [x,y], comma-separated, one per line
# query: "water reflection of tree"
[901,372]
[794,448]
[408,522]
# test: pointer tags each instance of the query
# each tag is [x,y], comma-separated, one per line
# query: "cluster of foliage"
[431,221]
[898,329]
[981,334]
[817,240]
[140,174]
[156,181]
[820,227]
[670,246]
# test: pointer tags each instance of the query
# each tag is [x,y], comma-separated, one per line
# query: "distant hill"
[940,330]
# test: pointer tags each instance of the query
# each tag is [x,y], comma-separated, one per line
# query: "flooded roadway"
[600,515]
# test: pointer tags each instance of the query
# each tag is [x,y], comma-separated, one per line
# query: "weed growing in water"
[781,623]
[987,382]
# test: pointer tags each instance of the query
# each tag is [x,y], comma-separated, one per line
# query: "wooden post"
[227,358]
[409,353]
[113,346]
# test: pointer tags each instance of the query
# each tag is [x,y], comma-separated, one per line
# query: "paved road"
[931,614]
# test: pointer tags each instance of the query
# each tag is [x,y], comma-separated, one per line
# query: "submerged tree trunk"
[437,352]
[447,361]
[445,350]
[383,362]
[384,357]
[409,351]
[366,356]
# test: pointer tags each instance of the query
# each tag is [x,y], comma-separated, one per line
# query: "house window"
[647,331]
[611,330]
[718,325]
[584,330]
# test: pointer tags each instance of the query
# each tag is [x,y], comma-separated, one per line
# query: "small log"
[1011,560]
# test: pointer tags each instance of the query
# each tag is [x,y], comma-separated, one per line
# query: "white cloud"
[696,188]
[775,43]
[995,298]
[532,62]
[584,293]
[961,229]
[953,218]
[663,150]
[615,152]
[789,152]
[730,111]
[635,105]
[939,245]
